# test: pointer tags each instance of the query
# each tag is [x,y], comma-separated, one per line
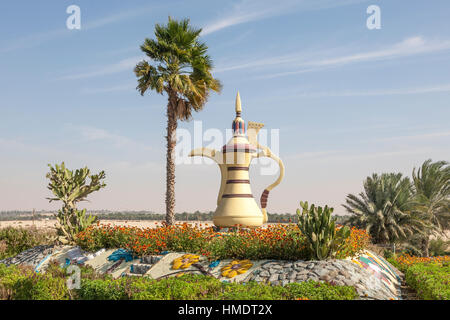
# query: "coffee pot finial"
[238,104]
[238,125]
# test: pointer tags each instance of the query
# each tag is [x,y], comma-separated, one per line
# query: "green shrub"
[40,287]
[253,290]
[321,291]
[23,284]
[439,247]
[430,280]
[198,287]
[392,260]
[428,276]
[15,240]
[186,287]
[108,289]
[8,276]
[388,254]
[3,249]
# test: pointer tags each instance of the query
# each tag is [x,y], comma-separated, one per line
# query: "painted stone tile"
[176,264]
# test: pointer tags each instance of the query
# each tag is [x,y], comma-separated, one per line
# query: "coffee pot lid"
[238,124]
[239,141]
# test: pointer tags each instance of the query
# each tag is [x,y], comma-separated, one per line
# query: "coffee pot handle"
[265,195]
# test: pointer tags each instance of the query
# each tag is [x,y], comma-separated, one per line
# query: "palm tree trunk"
[426,246]
[170,162]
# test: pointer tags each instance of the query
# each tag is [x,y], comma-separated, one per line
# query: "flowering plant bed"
[428,276]
[405,260]
[283,242]
[431,281]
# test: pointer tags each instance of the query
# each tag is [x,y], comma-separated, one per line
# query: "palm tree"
[182,70]
[383,209]
[432,197]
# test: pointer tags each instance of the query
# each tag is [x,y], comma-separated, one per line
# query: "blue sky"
[348,101]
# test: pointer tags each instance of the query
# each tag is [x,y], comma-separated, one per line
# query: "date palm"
[432,197]
[383,209]
[180,68]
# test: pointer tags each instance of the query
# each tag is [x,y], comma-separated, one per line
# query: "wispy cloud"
[32,149]
[35,39]
[118,88]
[423,140]
[296,63]
[380,92]
[408,47]
[312,154]
[134,166]
[97,134]
[118,17]
[251,10]
[346,155]
[380,154]
[12,144]
[415,137]
[123,65]
[242,13]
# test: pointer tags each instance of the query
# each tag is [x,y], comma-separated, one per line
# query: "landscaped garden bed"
[429,277]
[267,262]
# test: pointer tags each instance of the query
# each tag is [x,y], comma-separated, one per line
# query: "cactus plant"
[70,188]
[324,239]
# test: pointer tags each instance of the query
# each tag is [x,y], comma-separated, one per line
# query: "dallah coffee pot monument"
[235,203]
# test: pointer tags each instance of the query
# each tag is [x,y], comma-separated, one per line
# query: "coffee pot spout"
[217,156]
[203,152]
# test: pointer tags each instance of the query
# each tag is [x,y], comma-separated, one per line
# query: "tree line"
[396,209]
[149,215]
